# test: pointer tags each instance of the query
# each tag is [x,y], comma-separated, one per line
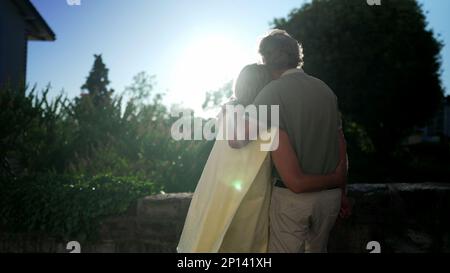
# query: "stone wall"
[410,218]
[403,218]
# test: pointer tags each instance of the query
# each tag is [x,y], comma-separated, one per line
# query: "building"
[20,22]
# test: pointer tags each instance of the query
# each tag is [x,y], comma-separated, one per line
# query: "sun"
[206,64]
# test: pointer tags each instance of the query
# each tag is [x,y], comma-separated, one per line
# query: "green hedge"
[66,206]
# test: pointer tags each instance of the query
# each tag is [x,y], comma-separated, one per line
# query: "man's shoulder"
[271,89]
[274,85]
[320,84]
[317,81]
[269,94]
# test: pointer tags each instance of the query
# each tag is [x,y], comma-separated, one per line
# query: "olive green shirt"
[308,112]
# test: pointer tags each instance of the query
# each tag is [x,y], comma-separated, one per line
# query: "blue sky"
[163,37]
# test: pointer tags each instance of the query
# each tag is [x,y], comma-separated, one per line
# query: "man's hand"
[238,144]
[342,168]
[235,143]
[341,173]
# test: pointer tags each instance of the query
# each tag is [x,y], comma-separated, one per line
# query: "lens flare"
[237,185]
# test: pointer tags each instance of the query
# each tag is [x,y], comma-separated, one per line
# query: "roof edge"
[37,27]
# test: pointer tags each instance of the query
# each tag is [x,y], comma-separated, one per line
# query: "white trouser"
[302,222]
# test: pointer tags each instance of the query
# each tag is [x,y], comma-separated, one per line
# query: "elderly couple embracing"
[286,199]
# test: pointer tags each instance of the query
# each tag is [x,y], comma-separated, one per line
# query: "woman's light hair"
[250,82]
[280,51]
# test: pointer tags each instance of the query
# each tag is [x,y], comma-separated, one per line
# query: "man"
[310,122]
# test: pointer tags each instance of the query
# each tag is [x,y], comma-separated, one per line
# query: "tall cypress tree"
[97,114]
[97,83]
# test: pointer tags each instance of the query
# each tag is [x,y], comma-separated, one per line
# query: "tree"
[218,97]
[97,83]
[382,62]
[96,114]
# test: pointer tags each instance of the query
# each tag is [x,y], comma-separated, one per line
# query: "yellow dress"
[229,211]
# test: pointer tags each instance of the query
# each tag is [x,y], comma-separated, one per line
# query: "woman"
[229,209]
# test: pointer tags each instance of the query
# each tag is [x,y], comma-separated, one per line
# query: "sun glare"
[206,64]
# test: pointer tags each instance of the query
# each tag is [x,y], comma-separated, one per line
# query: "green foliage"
[32,129]
[80,161]
[97,83]
[66,206]
[382,62]
[96,115]
[126,135]
[218,97]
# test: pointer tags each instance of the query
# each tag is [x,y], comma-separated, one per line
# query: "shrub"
[66,206]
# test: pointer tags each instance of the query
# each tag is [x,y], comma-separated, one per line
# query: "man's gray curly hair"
[280,51]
